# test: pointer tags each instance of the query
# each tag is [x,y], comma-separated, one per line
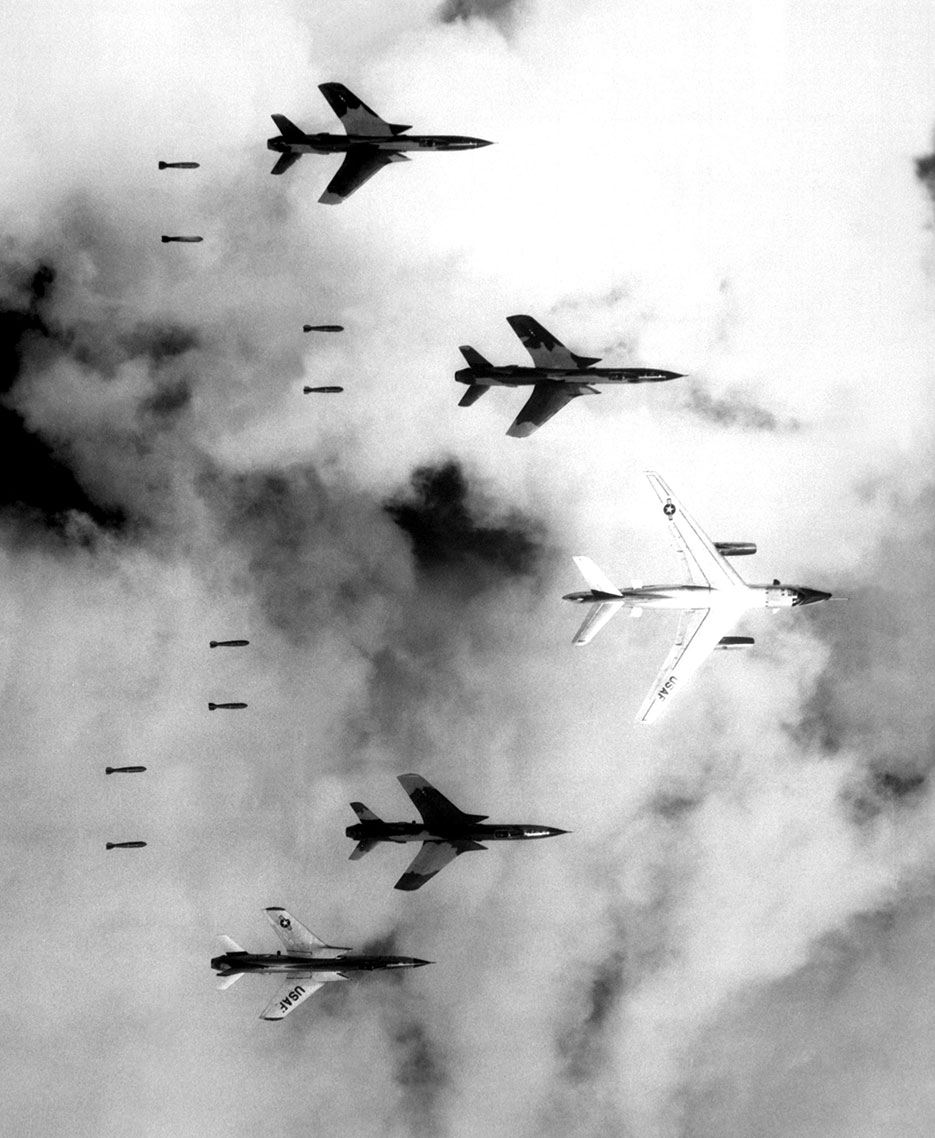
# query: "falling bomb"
[124,770]
[189,240]
[228,643]
[232,706]
[322,327]
[125,845]
[179,165]
[322,390]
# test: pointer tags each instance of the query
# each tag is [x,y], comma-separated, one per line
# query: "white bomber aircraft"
[710,604]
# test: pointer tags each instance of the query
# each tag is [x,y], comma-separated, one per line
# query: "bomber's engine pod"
[734,642]
[735,548]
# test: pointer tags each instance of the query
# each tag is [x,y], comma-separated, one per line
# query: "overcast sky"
[738,936]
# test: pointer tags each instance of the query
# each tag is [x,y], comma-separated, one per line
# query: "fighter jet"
[713,601]
[557,377]
[307,963]
[445,832]
[369,144]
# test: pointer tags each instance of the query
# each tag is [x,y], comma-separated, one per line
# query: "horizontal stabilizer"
[585,361]
[596,578]
[363,848]
[285,162]
[364,813]
[397,128]
[598,615]
[226,981]
[289,131]
[473,357]
[473,393]
[727,642]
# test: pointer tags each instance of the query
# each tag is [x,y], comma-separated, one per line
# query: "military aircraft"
[557,377]
[369,144]
[711,604]
[307,964]
[445,831]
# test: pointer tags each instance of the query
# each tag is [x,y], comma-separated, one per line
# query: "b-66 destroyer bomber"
[307,963]
[370,143]
[557,375]
[445,831]
[710,604]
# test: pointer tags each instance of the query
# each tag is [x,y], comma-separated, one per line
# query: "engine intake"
[735,548]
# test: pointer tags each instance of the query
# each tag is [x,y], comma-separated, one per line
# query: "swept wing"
[547,399]
[698,632]
[295,991]
[296,938]
[433,856]
[436,810]
[545,349]
[700,559]
[359,166]
[356,117]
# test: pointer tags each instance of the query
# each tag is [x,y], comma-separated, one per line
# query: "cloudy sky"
[738,936]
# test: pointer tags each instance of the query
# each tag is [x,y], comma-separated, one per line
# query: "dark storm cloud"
[420,1071]
[40,491]
[732,410]
[499,12]
[453,533]
[925,172]
[582,1046]
[315,554]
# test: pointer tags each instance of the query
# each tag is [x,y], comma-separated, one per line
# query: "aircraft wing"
[435,808]
[359,166]
[598,615]
[547,399]
[296,938]
[356,117]
[700,560]
[545,350]
[698,632]
[295,991]
[433,856]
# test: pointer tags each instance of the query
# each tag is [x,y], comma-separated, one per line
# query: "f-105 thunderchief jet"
[307,963]
[557,377]
[445,831]
[369,144]
[711,604]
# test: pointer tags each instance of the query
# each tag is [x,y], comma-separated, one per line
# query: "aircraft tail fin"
[287,128]
[473,393]
[226,981]
[596,578]
[473,357]
[364,813]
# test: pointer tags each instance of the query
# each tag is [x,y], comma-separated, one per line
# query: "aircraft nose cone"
[416,963]
[810,596]
[483,142]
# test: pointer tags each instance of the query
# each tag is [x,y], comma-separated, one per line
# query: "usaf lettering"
[666,687]
[291,998]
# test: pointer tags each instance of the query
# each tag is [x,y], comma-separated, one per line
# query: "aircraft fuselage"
[516,375]
[236,962]
[700,597]
[419,832]
[397,144]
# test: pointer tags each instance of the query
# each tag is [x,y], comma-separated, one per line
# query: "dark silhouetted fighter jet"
[557,377]
[445,831]
[369,144]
